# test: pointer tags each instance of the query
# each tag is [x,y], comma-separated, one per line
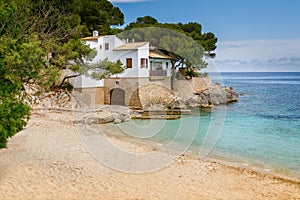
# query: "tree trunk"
[67,77]
[172,78]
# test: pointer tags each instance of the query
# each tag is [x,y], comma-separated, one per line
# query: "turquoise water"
[262,129]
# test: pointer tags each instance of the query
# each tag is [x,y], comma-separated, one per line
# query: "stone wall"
[90,96]
[142,92]
[129,85]
[138,91]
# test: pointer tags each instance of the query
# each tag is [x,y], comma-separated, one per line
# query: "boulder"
[121,113]
[117,121]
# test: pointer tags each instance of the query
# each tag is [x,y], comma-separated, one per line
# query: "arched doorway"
[117,97]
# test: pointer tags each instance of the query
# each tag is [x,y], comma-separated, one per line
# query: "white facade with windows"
[139,61]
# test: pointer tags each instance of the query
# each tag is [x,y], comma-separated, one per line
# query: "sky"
[253,35]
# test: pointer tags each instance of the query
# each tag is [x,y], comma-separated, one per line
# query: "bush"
[191,73]
[67,86]
[13,116]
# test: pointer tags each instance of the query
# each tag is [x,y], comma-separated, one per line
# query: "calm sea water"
[262,129]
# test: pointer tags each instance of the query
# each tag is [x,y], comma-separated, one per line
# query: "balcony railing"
[158,72]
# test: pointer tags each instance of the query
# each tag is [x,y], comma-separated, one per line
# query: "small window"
[100,46]
[128,62]
[106,46]
[157,66]
[144,62]
[147,63]
[167,65]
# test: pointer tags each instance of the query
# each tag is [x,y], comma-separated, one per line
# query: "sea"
[261,130]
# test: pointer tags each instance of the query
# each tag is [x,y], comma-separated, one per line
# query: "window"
[144,62]
[128,62]
[157,66]
[100,46]
[167,65]
[106,46]
[147,63]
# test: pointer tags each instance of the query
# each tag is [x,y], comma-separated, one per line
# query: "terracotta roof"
[91,38]
[130,46]
[158,54]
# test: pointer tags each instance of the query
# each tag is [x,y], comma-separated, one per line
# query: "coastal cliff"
[198,92]
[214,95]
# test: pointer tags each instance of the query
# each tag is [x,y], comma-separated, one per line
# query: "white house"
[139,60]
[143,65]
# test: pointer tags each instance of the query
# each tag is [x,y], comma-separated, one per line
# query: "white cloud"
[283,61]
[127,1]
[231,62]
[259,55]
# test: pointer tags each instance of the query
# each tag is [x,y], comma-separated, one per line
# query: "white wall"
[113,41]
[86,82]
[143,52]
[136,70]
[136,55]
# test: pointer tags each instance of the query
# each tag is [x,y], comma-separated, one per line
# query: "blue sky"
[254,35]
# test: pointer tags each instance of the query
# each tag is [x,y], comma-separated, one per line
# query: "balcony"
[157,74]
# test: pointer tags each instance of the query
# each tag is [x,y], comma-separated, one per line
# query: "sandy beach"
[47,160]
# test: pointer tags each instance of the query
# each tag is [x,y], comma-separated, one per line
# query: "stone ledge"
[157,117]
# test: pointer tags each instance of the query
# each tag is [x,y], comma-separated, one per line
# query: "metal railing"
[158,72]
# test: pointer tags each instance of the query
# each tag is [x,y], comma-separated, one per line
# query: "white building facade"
[137,58]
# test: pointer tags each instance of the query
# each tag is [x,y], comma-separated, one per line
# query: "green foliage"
[183,49]
[38,38]
[67,86]
[13,116]
[102,69]
[191,73]
[14,59]
[192,29]
[186,44]
[208,41]
[141,22]
[99,15]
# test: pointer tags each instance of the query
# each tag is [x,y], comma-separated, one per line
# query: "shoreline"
[222,161]
[48,160]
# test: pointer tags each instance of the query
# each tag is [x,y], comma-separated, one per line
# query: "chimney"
[95,33]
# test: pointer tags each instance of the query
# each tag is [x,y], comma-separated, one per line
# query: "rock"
[121,113]
[214,95]
[231,95]
[177,103]
[117,121]
[217,95]
[92,120]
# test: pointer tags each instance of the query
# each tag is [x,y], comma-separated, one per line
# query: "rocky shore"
[214,95]
[168,102]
